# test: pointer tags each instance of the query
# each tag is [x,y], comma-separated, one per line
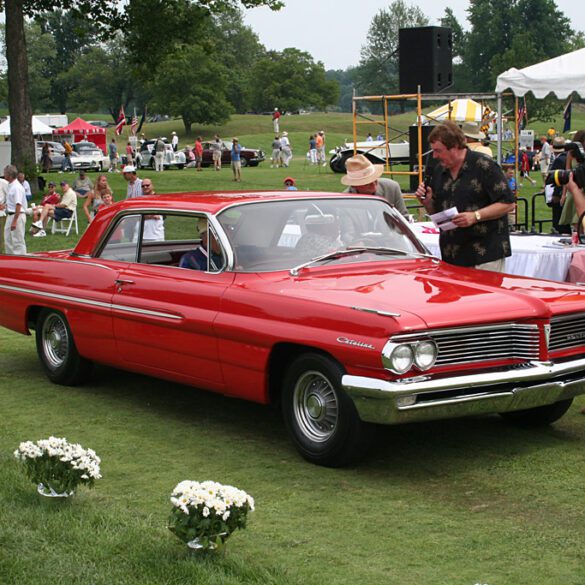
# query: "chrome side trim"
[86,302]
[377,312]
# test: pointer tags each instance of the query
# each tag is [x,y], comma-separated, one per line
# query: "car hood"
[424,294]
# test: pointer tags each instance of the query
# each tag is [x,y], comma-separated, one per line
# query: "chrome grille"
[465,345]
[567,332]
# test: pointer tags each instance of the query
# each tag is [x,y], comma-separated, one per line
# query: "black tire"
[244,162]
[320,418]
[57,352]
[180,167]
[337,162]
[539,416]
[152,163]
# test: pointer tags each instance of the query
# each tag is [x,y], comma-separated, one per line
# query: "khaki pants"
[493,266]
[14,239]
[2,223]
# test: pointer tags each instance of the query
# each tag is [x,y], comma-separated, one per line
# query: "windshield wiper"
[351,251]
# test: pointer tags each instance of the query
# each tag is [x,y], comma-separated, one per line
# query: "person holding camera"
[477,187]
[575,154]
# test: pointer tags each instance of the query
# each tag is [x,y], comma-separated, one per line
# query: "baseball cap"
[64,183]
[52,184]
[129,169]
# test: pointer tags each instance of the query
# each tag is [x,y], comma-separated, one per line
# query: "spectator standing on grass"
[113,155]
[320,144]
[15,208]
[175,141]
[25,185]
[198,152]
[154,224]
[3,191]
[276,121]
[236,160]
[544,158]
[477,187]
[559,163]
[46,162]
[286,149]
[312,149]
[276,146]
[96,198]
[216,153]
[62,210]
[159,155]
[525,168]
[129,154]
[67,164]
[134,188]
[570,213]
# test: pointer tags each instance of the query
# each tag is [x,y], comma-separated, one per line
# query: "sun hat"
[558,144]
[285,133]
[289,180]
[472,130]
[360,171]
[129,169]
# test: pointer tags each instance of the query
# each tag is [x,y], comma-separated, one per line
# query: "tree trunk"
[187,123]
[21,136]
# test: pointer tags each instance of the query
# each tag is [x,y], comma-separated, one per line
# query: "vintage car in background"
[324,303]
[79,159]
[250,157]
[90,152]
[374,150]
[145,156]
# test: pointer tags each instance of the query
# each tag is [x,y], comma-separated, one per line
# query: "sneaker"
[40,234]
[38,224]
[33,230]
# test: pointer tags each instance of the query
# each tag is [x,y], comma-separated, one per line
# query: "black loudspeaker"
[425,59]
[413,152]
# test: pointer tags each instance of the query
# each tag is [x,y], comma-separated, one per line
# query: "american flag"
[134,124]
[121,121]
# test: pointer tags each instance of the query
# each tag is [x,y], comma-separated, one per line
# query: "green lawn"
[445,503]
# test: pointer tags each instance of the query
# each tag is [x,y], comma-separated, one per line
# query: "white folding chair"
[64,226]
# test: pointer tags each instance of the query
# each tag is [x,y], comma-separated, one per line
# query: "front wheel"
[539,416]
[57,352]
[244,162]
[321,419]
[180,167]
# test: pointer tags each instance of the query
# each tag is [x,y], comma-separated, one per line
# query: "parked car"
[323,303]
[145,156]
[100,123]
[93,153]
[250,157]
[59,162]
[374,150]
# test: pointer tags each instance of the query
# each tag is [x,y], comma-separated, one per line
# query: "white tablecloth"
[535,256]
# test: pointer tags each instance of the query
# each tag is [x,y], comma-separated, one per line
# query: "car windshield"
[287,234]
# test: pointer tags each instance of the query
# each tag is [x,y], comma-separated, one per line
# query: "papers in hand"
[443,219]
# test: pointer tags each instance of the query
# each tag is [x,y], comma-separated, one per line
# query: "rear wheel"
[180,167]
[244,162]
[321,419]
[539,416]
[57,352]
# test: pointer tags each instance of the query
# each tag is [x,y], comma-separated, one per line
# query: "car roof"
[210,202]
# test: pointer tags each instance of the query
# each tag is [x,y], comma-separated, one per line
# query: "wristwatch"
[477,216]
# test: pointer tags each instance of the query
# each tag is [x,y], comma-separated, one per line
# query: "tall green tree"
[459,41]
[378,70]
[196,94]
[291,80]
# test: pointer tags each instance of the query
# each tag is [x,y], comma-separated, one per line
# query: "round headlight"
[425,354]
[401,358]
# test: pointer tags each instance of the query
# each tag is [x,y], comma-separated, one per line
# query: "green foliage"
[290,80]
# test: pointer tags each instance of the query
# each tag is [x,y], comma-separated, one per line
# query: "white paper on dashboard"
[443,219]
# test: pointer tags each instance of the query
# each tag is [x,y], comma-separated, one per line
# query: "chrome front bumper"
[425,398]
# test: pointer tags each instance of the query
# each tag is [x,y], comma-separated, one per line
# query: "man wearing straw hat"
[363,177]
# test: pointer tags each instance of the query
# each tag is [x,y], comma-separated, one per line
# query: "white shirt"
[27,190]
[69,200]
[174,140]
[14,196]
[154,230]
[134,189]
[3,191]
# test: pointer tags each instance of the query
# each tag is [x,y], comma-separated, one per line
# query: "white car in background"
[145,156]
[374,150]
[90,156]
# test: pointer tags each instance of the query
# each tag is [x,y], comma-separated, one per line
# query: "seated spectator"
[62,210]
[199,258]
[22,180]
[50,198]
[82,185]
[321,236]
[290,184]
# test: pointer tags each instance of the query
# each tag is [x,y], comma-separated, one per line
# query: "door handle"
[120,282]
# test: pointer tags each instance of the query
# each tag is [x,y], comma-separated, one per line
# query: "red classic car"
[326,303]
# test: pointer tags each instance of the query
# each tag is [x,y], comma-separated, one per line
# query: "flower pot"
[49,492]
[203,543]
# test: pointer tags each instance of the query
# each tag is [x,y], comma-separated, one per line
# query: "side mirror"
[581,228]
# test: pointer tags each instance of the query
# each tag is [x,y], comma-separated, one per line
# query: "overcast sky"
[333,31]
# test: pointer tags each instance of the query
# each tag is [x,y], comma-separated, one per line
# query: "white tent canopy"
[38,127]
[562,76]
[459,110]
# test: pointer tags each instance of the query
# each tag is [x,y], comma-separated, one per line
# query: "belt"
[10,212]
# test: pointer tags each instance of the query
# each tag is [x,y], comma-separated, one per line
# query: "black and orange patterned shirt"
[480,183]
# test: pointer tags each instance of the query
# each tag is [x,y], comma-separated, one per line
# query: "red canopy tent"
[82,130]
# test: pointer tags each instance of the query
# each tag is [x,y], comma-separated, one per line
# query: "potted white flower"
[58,467]
[206,513]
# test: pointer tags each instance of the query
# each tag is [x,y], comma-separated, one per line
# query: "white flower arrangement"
[206,513]
[58,466]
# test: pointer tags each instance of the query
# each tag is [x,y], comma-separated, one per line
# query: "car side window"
[122,243]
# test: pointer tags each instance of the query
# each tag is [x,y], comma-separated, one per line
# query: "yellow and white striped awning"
[460,110]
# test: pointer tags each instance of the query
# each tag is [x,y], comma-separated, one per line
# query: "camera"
[559,178]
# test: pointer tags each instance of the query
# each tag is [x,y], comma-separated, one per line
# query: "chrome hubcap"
[55,341]
[316,408]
